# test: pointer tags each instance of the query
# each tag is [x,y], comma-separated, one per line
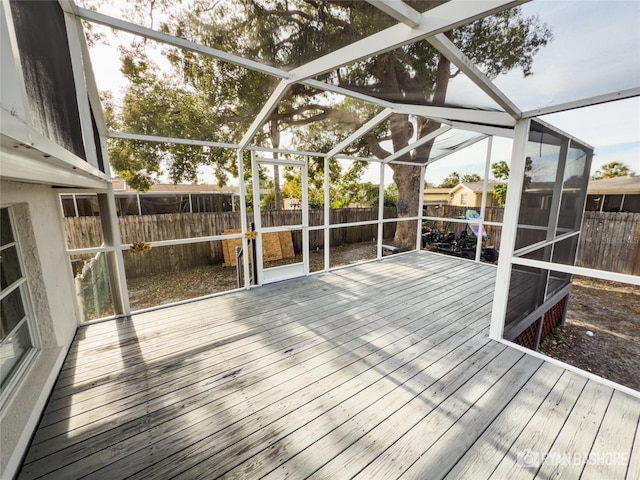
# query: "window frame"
[22,285]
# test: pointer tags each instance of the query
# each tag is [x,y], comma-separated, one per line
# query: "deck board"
[379,370]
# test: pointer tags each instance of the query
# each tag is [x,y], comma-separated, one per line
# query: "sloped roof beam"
[417,143]
[437,113]
[125,26]
[462,146]
[348,93]
[505,132]
[379,118]
[398,10]
[437,20]
[485,117]
[261,117]
[585,102]
[466,66]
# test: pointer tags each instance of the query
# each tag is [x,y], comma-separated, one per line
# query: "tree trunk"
[407,177]
[275,142]
[409,182]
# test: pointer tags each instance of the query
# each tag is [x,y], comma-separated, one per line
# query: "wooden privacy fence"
[85,232]
[610,241]
[493,214]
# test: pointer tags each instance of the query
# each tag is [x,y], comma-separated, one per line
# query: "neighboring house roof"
[121,186]
[616,185]
[437,191]
[475,187]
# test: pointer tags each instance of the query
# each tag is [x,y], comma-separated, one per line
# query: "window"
[17,344]
[463,199]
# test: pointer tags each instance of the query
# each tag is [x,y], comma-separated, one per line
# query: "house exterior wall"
[471,199]
[431,198]
[40,235]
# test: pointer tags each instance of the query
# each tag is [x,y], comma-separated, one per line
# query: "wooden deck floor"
[378,371]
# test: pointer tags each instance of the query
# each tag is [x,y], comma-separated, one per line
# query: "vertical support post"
[423,169]
[327,213]
[554,213]
[483,202]
[305,215]
[563,320]
[190,204]
[75,205]
[243,219]
[139,205]
[257,218]
[114,257]
[536,342]
[509,228]
[380,212]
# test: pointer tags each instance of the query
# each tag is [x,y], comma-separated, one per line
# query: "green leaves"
[612,170]
[202,98]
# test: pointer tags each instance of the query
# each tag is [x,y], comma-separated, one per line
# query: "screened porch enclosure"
[549,168]
[327,119]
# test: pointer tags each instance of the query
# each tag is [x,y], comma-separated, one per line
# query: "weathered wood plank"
[440,298]
[497,382]
[495,442]
[393,375]
[578,433]
[147,406]
[245,408]
[541,432]
[374,424]
[633,470]
[288,309]
[471,416]
[609,457]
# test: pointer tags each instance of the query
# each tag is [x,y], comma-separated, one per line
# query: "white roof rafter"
[179,42]
[585,102]
[379,118]
[437,20]
[462,114]
[462,146]
[398,10]
[262,116]
[417,143]
[466,66]
[348,93]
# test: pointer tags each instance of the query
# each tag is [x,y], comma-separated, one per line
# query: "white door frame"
[275,274]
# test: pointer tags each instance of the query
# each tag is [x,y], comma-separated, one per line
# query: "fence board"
[83,232]
[608,241]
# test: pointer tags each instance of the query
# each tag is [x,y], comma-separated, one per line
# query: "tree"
[611,170]
[500,172]
[471,178]
[454,179]
[451,181]
[301,30]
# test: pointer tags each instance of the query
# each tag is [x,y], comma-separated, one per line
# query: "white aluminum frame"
[285,272]
[429,25]
[399,11]
[22,285]
[509,228]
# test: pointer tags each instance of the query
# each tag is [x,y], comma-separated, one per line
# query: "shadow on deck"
[382,370]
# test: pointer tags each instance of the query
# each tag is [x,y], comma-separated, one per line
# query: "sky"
[587,57]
